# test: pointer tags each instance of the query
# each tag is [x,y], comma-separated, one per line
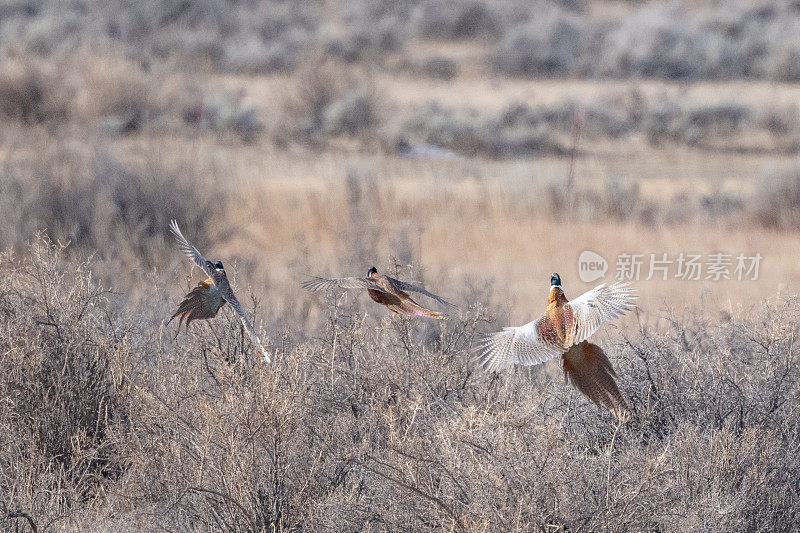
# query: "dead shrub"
[329,99]
[63,387]
[100,203]
[112,87]
[514,132]
[224,112]
[551,44]
[440,68]
[351,114]
[371,421]
[30,91]
[456,20]
[777,202]
[83,89]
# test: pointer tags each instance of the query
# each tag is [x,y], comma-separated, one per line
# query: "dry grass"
[368,422]
[292,139]
[301,215]
[98,201]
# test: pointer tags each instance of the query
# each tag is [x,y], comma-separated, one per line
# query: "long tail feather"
[589,370]
[410,307]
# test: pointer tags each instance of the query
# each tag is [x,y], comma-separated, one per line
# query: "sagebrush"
[110,421]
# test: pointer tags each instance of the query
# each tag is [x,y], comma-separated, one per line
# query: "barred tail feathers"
[410,307]
[586,367]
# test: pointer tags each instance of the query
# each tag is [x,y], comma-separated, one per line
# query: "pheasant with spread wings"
[564,330]
[205,300]
[383,289]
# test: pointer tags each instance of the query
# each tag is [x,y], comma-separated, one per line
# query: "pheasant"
[205,300]
[564,330]
[384,290]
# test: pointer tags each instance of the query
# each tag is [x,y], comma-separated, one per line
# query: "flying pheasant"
[383,289]
[205,300]
[564,331]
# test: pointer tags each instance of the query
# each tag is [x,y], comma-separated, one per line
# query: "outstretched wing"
[190,250]
[326,284]
[599,305]
[231,299]
[527,345]
[410,287]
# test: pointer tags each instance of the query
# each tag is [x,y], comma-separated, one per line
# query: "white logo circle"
[591,266]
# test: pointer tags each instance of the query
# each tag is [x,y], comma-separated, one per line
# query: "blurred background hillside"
[475,146]
[682,118]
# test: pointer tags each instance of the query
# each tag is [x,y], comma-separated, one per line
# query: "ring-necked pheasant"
[383,289]
[564,331]
[205,300]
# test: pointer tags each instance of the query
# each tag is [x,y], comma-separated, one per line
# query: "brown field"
[435,140]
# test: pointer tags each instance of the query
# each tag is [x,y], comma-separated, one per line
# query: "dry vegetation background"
[433,139]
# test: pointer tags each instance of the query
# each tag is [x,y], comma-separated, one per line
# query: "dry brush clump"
[508,134]
[142,76]
[102,200]
[109,93]
[83,88]
[456,20]
[721,40]
[680,40]
[328,99]
[64,389]
[30,91]
[777,200]
[377,422]
[520,130]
